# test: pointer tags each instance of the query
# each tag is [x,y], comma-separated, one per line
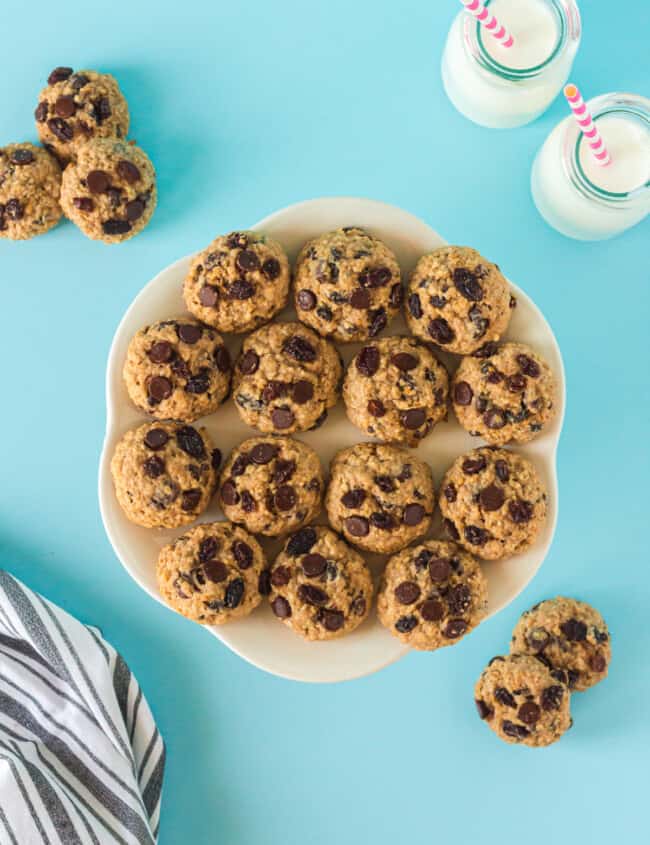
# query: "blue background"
[245,109]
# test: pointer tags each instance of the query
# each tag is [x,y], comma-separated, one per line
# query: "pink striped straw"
[587,125]
[489,22]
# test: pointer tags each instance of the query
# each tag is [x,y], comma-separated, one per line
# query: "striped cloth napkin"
[81,759]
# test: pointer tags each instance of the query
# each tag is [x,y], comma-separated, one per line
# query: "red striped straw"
[489,22]
[587,125]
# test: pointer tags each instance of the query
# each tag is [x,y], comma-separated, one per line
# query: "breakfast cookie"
[78,107]
[432,595]
[458,300]
[164,474]
[347,285]
[237,283]
[30,184]
[286,378]
[110,191]
[570,636]
[396,390]
[380,498]
[505,394]
[493,502]
[522,702]
[177,369]
[271,485]
[319,586]
[212,573]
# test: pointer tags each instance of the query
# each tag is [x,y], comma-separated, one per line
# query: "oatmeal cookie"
[30,185]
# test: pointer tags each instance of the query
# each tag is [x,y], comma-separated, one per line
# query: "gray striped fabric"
[81,759]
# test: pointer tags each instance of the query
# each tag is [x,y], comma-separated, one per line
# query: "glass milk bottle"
[579,197]
[502,87]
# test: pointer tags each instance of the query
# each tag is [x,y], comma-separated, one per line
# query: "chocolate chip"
[249,362]
[516,383]
[597,662]
[156,438]
[301,542]
[413,418]
[239,465]
[475,535]
[405,624]
[450,493]
[60,129]
[367,361]
[574,630]
[312,595]
[467,284]
[58,75]
[407,592]
[285,498]
[313,565]
[415,306]
[208,549]
[551,697]
[22,156]
[382,520]
[455,628]
[357,526]
[153,467]
[515,731]
[432,610]
[241,289]
[208,296]
[520,511]
[65,106]
[191,442]
[215,571]
[190,499]
[360,299]
[159,388]
[134,210]
[502,471]
[529,713]
[353,498]
[222,359]
[528,367]
[385,483]
[491,498]
[299,349]
[376,408]
[41,112]
[282,418]
[199,383]
[377,321]
[263,453]
[280,576]
[283,471]
[463,393]
[306,300]
[302,392]
[441,331]
[483,710]
[97,181]
[439,569]
[413,514]
[247,260]
[271,268]
[494,419]
[472,466]
[331,620]
[116,227]
[404,361]
[281,607]
[505,697]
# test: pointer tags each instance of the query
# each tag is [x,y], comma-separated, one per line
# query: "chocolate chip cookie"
[319,587]
[271,485]
[164,474]
[286,378]
[211,574]
[395,390]
[79,107]
[237,283]
[521,701]
[347,285]
[110,191]
[458,300]
[570,636]
[432,595]
[493,502]
[30,184]
[504,394]
[177,369]
[380,498]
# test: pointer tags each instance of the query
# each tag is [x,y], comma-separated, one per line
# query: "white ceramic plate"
[260,638]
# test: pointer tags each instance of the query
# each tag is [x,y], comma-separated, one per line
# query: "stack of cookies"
[86,169]
[379,496]
[559,646]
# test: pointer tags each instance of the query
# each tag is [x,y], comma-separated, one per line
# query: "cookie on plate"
[380,498]
[396,390]
[570,635]
[164,474]
[177,369]
[493,502]
[271,485]
[319,586]
[521,701]
[286,378]
[211,574]
[347,285]
[238,282]
[75,108]
[504,394]
[431,595]
[30,184]
[457,300]
[109,192]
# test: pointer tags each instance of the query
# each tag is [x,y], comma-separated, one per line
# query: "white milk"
[582,199]
[504,87]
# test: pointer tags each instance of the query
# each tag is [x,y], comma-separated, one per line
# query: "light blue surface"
[245,109]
